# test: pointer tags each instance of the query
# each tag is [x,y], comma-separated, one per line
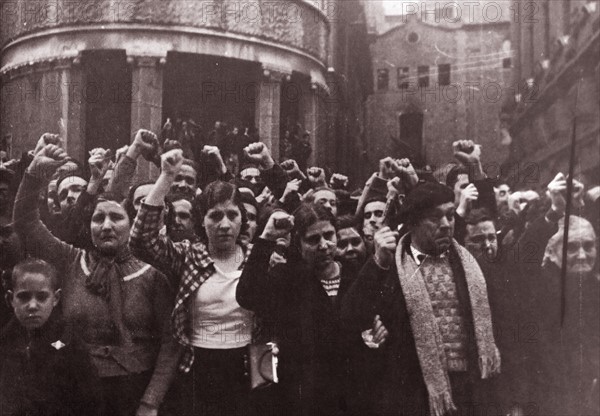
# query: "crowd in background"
[404,296]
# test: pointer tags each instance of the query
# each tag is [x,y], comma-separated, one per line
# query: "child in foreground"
[44,368]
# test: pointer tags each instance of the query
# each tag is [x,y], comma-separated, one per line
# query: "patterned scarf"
[428,340]
[104,277]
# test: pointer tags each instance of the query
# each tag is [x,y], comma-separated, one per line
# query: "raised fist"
[292,169]
[291,187]
[145,143]
[47,160]
[46,139]
[211,151]
[338,181]
[290,166]
[259,153]
[557,191]
[265,195]
[316,176]
[388,168]
[407,173]
[280,223]
[385,246]
[467,152]
[99,162]
[171,162]
[467,196]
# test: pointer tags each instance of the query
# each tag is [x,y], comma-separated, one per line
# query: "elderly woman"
[299,301]
[563,352]
[208,321]
[118,304]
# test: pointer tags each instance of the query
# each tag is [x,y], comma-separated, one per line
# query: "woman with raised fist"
[207,320]
[118,304]
[298,301]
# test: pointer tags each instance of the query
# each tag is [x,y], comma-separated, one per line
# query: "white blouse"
[217,320]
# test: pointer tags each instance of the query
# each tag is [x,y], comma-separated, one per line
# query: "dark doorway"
[208,88]
[107,95]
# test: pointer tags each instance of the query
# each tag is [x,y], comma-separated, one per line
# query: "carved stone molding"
[270,74]
[42,65]
[146,61]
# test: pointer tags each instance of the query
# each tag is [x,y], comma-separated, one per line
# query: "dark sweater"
[39,377]
[147,302]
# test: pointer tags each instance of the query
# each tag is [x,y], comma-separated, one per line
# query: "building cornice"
[142,39]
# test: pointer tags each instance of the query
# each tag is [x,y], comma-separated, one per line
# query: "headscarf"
[553,252]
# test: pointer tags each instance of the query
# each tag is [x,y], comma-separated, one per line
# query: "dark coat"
[388,380]
[561,359]
[565,358]
[37,379]
[513,329]
[295,310]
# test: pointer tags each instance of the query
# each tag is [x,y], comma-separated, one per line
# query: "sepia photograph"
[299,207]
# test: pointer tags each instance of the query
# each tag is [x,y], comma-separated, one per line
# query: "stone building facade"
[106,68]
[557,71]
[439,75]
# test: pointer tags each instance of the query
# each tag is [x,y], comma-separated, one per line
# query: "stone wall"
[466,109]
[560,61]
[295,23]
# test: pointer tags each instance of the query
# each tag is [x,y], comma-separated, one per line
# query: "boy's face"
[33,299]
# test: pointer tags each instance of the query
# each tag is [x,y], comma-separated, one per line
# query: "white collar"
[416,253]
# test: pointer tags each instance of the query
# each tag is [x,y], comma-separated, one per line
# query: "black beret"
[424,197]
[67,175]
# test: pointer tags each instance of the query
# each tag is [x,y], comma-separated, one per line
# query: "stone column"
[315,121]
[268,105]
[146,103]
[72,106]
[323,138]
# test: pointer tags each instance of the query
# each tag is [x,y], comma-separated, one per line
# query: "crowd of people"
[406,296]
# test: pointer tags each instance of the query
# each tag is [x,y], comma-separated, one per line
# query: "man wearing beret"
[430,296]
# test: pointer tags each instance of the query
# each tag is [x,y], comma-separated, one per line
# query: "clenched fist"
[386,242]
[280,223]
[316,176]
[47,160]
[171,162]
[259,153]
[466,152]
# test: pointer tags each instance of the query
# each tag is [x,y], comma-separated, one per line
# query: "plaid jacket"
[187,265]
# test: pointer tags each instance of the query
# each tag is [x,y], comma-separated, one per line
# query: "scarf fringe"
[441,404]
